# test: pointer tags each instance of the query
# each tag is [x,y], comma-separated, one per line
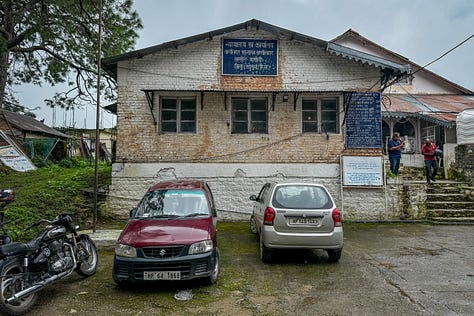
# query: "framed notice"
[249,57]
[363,120]
[362,171]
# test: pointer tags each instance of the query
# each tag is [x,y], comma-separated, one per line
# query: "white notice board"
[362,171]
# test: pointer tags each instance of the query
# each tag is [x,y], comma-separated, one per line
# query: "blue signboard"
[249,57]
[363,120]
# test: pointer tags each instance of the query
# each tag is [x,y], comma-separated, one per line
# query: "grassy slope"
[51,190]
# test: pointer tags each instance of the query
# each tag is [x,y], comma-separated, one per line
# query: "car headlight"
[200,247]
[125,251]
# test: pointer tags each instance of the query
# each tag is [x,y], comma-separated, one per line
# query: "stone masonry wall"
[465,160]
[232,185]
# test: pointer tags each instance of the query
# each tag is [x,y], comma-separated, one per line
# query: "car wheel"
[253,225]
[265,252]
[215,271]
[334,254]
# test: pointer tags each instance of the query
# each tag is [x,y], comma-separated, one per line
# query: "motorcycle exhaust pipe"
[36,287]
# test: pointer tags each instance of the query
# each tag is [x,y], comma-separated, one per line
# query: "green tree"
[56,41]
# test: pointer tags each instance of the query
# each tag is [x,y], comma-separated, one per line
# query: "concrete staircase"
[446,200]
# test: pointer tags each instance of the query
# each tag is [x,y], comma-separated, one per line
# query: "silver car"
[296,216]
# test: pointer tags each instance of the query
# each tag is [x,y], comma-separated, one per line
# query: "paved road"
[386,269]
[407,270]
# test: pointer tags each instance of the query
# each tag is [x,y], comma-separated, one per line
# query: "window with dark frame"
[320,115]
[178,115]
[249,115]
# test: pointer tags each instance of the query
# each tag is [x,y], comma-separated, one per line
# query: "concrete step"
[439,197]
[104,239]
[449,205]
[451,213]
[453,220]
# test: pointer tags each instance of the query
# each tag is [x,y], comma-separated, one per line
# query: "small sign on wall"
[362,171]
[249,57]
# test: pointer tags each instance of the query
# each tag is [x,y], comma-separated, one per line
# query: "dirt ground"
[384,270]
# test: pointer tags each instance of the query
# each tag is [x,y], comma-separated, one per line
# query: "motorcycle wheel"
[11,283]
[88,256]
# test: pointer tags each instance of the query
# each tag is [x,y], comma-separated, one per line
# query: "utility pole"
[97,121]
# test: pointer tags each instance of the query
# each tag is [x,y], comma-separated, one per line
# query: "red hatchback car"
[171,235]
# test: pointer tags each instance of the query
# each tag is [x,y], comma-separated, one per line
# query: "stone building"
[246,104]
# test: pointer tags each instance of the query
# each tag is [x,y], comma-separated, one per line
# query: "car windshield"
[301,197]
[172,204]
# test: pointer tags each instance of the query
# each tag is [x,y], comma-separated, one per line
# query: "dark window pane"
[328,105]
[188,116]
[239,127]
[188,104]
[168,104]
[310,127]
[259,127]
[258,105]
[239,116]
[259,116]
[168,116]
[239,104]
[168,126]
[329,127]
[188,126]
[310,116]
[309,105]
[328,116]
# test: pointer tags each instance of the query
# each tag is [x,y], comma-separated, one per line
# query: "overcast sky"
[421,30]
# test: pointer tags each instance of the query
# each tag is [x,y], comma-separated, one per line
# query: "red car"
[171,235]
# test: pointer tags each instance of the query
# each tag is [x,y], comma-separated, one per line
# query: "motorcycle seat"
[17,247]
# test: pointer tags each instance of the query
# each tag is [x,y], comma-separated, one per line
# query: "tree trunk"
[3,76]
[4,54]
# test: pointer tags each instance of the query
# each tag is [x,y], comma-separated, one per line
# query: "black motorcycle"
[56,252]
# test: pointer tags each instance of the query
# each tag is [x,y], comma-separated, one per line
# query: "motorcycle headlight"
[125,251]
[201,247]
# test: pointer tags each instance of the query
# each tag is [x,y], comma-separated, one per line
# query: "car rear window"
[172,203]
[301,197]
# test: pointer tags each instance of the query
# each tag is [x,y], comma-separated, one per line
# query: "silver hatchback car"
[296,216]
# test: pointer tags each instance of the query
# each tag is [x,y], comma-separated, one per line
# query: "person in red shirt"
[431,164]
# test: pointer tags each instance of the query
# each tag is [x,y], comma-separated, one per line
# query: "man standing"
[395,146]
[428,151]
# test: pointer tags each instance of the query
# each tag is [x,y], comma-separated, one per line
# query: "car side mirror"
[132,212]
[253,197]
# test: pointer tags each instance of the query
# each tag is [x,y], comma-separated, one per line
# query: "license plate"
[161,275]
[304,221]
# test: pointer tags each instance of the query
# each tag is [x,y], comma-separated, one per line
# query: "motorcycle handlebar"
[62,219]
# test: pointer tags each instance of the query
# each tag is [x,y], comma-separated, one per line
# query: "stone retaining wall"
[465,160]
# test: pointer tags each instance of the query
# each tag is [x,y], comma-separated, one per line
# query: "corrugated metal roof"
[365,58]
[440,109]
[29,124]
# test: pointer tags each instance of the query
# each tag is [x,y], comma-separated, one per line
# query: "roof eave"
[365,58]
